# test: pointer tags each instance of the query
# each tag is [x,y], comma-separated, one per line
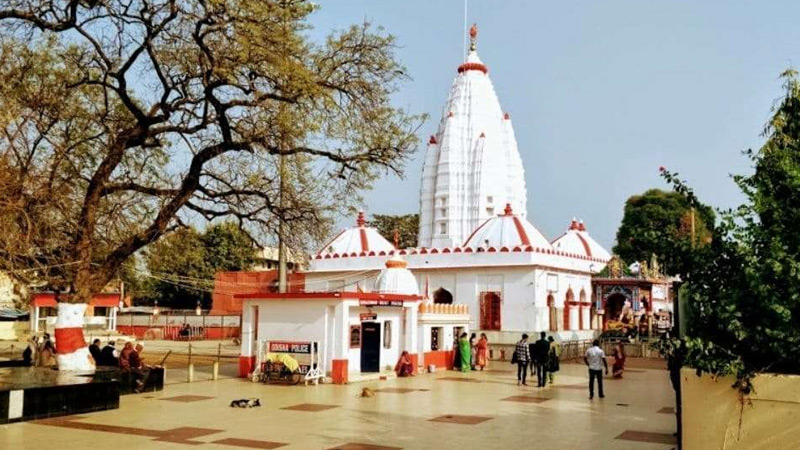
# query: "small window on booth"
[387,334]
[355,336]
[443,228]
[435,334]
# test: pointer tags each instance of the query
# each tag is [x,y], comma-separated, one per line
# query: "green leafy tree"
[227,248]
[123,121]
[744,288]
[182,265]
[178,269]
[655,221]
[406,226]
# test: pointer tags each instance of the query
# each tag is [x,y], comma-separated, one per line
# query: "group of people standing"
[471,353]
[542,358]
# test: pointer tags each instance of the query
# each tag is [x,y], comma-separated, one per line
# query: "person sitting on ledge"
[125,355]
[94,349]
[404,367]
[29,354]
[137,367]
[46,357]
[108,355]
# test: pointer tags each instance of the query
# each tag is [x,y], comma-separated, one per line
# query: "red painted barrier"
[246,365]
[339,372]
[442,359]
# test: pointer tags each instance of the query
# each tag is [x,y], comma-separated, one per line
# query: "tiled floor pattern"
[396,390]
[248,443]
[354,446]
[461,419]
[460,414]
[524,399]
[187,398]
[646,436]
[310,407]
[463,379]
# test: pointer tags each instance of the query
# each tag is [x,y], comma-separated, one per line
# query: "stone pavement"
[446,410]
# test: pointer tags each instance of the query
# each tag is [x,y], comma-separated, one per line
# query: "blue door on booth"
[370,346]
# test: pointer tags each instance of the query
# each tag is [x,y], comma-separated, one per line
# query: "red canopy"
[48,300]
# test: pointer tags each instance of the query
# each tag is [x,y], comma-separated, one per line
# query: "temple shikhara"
[480,264]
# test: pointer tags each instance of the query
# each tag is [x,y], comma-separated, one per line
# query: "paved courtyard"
[443,410]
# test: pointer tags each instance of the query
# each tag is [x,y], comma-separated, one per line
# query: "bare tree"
[125,118]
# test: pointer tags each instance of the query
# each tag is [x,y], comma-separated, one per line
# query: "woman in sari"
[553,359]
[482,351]
[473,351]
[456,354]
[404,368]
[125,355]
[619,361]
[466,354]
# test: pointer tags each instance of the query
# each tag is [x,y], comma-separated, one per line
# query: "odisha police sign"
[290,347]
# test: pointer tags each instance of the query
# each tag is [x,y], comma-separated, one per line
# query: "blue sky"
[601,93]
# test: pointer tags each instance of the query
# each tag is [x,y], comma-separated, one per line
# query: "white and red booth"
[358,332]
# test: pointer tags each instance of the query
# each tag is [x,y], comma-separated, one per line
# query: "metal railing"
[181,326]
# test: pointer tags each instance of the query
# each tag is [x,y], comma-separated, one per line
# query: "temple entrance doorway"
[370,347]
[614,305]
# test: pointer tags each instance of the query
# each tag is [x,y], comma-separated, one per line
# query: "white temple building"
[476,247]
[480,264]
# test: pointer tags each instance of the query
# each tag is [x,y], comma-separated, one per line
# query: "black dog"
[245,403]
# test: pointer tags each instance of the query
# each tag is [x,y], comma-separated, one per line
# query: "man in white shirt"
[595,358]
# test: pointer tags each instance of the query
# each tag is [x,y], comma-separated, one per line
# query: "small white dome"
[577,240]
[506,230]
[396,279]
[357,241]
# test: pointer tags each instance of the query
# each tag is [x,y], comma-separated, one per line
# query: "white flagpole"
[464,34]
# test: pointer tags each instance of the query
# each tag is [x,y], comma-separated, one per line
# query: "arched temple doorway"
[442,296]
[614,305]
[568,305]
[582,325]
[490,311]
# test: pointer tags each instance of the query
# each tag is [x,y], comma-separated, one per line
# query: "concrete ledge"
[714,416]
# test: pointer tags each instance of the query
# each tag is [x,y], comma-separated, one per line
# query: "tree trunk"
[72,353]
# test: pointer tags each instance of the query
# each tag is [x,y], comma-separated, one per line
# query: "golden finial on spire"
[473,36]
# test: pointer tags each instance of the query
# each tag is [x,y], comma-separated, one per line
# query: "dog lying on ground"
[246,403]
[366,393]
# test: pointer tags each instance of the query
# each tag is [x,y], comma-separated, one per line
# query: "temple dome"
[577,240]
[358,240]
[396,279]
[506,230]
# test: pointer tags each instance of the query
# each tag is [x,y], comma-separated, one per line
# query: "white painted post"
[190,368]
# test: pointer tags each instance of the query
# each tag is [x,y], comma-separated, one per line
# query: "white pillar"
[587,317]
[410,329]
[573,318]
[248,331]
[341,346]
[35,319]
[111,319]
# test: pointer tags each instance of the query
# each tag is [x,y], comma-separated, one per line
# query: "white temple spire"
[472,166]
